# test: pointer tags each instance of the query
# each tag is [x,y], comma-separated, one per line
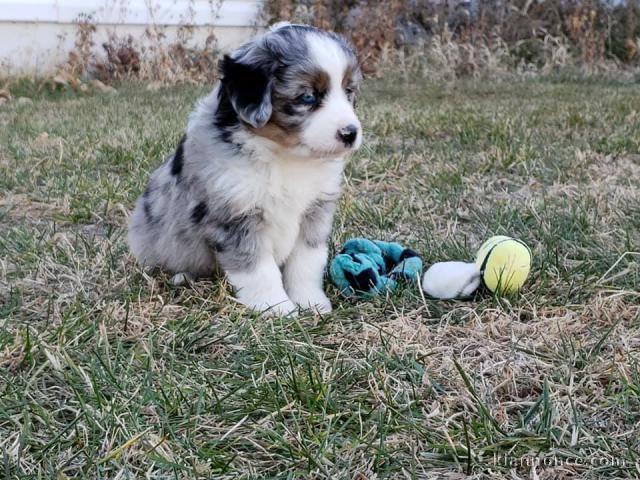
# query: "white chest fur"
[282,187]
[292,187]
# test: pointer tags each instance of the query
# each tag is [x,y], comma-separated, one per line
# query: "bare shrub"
[150,58]
[81,57]
[123,58]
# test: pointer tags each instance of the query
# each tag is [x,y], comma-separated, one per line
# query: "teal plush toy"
[367,268]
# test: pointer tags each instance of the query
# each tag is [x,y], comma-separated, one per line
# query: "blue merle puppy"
[252,187]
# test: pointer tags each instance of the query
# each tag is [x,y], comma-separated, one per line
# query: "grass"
[107,373]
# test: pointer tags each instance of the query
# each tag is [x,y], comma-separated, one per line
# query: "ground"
[107,372]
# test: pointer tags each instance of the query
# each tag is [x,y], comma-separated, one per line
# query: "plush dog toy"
[369,267]
[502,265]
[366,268]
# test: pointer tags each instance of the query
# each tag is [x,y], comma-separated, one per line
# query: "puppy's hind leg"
[142,236]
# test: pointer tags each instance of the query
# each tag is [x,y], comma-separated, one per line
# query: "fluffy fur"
[252,186]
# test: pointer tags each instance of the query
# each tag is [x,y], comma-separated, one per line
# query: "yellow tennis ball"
[504,263]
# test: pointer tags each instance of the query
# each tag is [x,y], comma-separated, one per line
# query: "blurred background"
[172,41]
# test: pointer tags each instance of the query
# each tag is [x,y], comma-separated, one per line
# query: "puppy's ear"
[249,89]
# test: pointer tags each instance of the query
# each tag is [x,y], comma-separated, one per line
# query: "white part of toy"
[447,280]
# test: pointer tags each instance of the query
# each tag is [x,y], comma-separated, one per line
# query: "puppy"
[253,184]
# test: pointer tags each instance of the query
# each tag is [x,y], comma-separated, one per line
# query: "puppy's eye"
[308,99]
[349,91]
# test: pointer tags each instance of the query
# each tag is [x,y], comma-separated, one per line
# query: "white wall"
[37,35]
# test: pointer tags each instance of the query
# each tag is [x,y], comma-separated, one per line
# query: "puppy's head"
[297,86]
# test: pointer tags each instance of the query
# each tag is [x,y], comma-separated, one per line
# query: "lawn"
[109,373]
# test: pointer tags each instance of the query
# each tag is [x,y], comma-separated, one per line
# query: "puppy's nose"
[348,134]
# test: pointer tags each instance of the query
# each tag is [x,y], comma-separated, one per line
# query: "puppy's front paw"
[315,299]
[283,309]
[276,306]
